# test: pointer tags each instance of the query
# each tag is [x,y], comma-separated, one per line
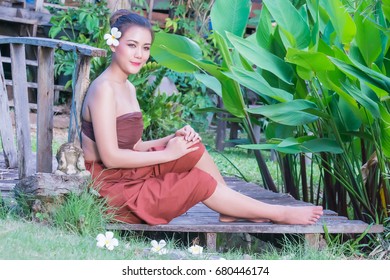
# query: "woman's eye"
[146,48]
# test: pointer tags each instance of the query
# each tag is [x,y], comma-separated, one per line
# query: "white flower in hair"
[112,39]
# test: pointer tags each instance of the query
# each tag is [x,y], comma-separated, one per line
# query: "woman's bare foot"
[304,215]
[230,219]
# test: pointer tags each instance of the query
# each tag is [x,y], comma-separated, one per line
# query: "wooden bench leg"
[315,240]
[211,241]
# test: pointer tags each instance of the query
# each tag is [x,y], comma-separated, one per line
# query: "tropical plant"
[320,69]
[85,24]
[338,69]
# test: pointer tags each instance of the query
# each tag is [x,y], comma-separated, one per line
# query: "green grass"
[25,240]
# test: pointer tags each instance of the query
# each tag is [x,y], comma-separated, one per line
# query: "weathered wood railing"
[22,156]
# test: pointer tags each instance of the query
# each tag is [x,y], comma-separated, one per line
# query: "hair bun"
[117,14]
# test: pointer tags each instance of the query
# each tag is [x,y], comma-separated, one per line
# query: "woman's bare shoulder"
[100,86]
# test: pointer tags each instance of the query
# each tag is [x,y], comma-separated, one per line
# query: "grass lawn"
[24,240]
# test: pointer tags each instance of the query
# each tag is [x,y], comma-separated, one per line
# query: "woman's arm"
[187,132]
[146,145]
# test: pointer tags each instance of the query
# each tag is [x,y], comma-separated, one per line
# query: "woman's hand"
[178,147]
[188,133]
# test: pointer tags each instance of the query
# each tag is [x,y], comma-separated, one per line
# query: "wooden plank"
[211,241]
[45,109]
[35,85]
[18,69]
[19,19]
[81,86]
[343,226]
[6,130]
[29,62]
[56,44]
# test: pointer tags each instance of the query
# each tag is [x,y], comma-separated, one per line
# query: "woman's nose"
[138,53]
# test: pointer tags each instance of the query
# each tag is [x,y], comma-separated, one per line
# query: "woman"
[155,181]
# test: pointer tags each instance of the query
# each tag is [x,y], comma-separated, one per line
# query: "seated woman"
[155,181]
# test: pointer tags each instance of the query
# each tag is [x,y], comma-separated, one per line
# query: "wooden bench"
[201,219]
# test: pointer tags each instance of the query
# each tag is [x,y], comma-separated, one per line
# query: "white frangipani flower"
[196,250]
[158,247]
[112,39]
[106,240]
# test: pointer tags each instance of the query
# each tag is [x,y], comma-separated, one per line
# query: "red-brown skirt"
[154,194]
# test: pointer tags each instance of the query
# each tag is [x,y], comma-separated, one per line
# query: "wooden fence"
[21,155]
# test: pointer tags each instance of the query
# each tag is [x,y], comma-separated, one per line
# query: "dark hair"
[123,19]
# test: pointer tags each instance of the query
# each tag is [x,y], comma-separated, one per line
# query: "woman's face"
[133,50]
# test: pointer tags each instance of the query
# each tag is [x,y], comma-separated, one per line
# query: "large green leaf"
[292,24]
[262,58]
[363,73]
[264,29]
[386,8]
[258,84]
[296,146]
[368,38]
[341,20]
[266,147]
[231,91]
[385,131]
[288,113]
[185,59]
[210,82]
[363,100]
[164,41]
[230,15]
[314,61]
[321,145]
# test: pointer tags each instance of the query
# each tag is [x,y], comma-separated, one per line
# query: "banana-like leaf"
[363,100]
[265,147]
[231,16]
[292,24]
[314,61]
[231,91]
[163,41]
[321,145]
[368,38]
[264,29]
[288,113]
[210,82]
[231,94]
[363,73]
[317,145]
[258,84]
[385,131]
[262,58]
[341,20]
[386,8]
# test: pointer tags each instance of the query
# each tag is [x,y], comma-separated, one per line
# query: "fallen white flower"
[196,250]
[107,240]
[159,247]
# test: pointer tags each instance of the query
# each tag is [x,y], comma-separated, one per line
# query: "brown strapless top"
[129,129]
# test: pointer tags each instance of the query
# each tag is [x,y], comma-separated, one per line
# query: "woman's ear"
[112,48]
